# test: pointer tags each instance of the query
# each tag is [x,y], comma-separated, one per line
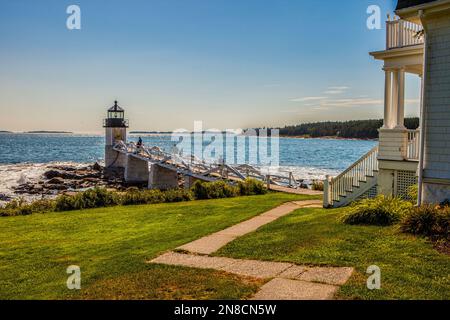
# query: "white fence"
[401,33]
[412,151]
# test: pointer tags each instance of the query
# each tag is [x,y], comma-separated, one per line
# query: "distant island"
[45,131]
[4,131]
[356,129]
[150,132]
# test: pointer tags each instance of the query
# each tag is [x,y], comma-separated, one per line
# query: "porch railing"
[353,176]
[401,33]
[412,150]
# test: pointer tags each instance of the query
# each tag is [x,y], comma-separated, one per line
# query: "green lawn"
[111,246]
[410,267]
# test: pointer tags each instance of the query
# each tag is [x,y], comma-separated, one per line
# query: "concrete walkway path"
[215,241]
[287,281]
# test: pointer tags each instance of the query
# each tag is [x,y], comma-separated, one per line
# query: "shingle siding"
[437,90]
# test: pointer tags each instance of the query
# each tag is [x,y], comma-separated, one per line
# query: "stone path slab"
[256,269]
[193,261]
[208,244]
[215,241]
[285,289]
[337,276]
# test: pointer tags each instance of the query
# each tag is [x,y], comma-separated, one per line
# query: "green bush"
[429,221]
[134,197]
[317,185]
[413,193]
[64,203]
[92,198]
[250,187]
[380,211]
[213,190]
[17,207]
[178,195]
[43,205]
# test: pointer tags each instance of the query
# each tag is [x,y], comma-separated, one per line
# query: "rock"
[56,187]
[56,180]
[37,187]
[97,167]
[69,193]
[50,174]
[4,197]
[304,186]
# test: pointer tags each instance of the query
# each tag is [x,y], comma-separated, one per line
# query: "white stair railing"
[340,186]
[413,145]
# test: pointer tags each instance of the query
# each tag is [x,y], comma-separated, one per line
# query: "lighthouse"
[115,130]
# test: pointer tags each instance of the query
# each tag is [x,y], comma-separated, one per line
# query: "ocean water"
[27,155]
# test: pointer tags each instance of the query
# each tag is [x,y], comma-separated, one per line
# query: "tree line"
[355,129]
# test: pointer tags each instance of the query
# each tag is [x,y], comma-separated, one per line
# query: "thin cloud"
[352,102]
[307,99]
[337,90]
[333,92]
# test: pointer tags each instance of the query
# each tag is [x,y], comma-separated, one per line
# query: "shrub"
[43,205]
[17,207]
[380,211]
[92,198]
[64,203]
[213,190]
[178,195]
[133,197]
[413,193]
[7,212]
[317,185]
[250,187]
[429,221]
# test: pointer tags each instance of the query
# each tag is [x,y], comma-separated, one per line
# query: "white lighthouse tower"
[116,130]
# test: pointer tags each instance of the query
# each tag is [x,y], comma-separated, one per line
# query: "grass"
[410,267]
[111,246]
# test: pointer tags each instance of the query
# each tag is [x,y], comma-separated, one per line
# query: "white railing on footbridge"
[193,166]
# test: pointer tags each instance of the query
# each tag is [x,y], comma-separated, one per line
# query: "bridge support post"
[327,192]
[189,182]
[136,170]
[162,178]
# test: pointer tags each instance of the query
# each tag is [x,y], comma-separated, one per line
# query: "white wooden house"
[418,43]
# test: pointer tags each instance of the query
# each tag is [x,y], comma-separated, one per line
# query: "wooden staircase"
[358,181]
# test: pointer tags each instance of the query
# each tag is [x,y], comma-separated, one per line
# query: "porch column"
[401,100]
[387,99]
[394,100]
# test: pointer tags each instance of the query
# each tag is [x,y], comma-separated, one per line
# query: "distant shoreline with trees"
[354,129]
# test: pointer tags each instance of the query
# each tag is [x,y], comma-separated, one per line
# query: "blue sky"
[229,63]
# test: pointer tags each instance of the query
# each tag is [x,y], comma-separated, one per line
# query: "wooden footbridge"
[198,169]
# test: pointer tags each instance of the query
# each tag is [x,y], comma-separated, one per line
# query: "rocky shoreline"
[65,178]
